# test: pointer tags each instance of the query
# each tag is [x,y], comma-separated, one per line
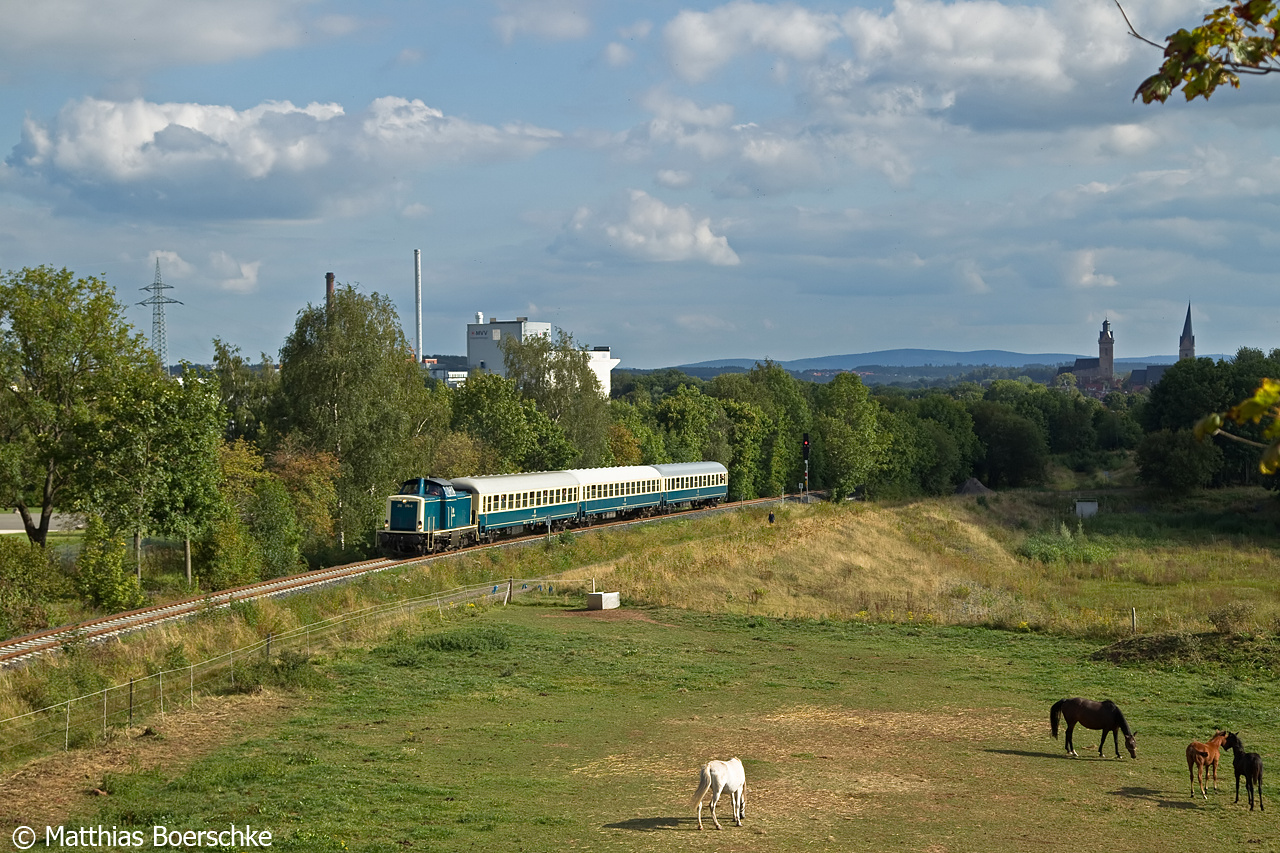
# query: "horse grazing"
[716,777]
[1093,715]
[1203,757]
[1246,764]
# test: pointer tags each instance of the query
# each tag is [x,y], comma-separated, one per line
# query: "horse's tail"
[704,785]
[1054,713]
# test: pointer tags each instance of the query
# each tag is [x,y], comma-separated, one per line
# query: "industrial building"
[484,346]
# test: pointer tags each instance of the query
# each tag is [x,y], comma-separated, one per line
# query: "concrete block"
[602,600]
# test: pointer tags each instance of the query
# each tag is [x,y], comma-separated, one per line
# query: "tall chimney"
[328,290]
[417,297]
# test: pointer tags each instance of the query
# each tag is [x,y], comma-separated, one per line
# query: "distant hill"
[922,357]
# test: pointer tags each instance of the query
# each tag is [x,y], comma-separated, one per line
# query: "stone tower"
[1106,352]
[1187,343]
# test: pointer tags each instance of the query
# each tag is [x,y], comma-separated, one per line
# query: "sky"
[678,181]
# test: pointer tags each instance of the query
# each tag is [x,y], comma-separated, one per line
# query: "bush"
[28,582]
[101,577]
[1064,547]
[290,671]
[1232,618]
[228,556]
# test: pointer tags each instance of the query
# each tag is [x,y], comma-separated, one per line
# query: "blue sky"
[679,181]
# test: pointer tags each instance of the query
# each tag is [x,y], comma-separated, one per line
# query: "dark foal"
[1246,764]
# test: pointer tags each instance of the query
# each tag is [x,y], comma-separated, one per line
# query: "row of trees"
[262,471]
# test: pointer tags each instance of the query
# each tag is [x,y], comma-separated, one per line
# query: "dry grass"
[945,561]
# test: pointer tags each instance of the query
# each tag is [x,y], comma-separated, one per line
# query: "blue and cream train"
[431,514]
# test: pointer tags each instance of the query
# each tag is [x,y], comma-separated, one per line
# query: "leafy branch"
[1265,403]
[1233,40]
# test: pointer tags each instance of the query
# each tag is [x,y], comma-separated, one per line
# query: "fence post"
[104,714]
[191,683]
[268,647]
[511,582]
[1133,620]
[160,675]
[130,701]
[66,742]
[231,656]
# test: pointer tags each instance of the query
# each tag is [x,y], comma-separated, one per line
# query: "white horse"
[717,776]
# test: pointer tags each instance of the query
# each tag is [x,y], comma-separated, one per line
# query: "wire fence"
[96,717]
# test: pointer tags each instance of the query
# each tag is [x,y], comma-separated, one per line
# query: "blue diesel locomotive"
[431,514]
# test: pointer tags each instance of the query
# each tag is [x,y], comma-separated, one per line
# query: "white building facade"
[484,347]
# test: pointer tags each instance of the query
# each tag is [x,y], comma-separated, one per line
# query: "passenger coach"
[507,501]
[432,514]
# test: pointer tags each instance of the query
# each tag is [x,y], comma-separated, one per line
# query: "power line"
[157,301]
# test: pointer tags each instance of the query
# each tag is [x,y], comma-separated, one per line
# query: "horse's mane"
[1124,724]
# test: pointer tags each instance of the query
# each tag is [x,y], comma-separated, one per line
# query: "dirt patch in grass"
[46,791]
[814,759]
[617,614]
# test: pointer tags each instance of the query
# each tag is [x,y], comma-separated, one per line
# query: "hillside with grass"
[869,662]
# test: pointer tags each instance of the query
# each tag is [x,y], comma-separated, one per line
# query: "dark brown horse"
[1246,764]
[1093,715]
[1203,757]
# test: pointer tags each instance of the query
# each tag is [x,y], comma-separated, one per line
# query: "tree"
[65,350]
[488,407]
[687,418]
[557,377]
[310,478]
[1017,453]
[249,393]
[1237,39]
[155,465]
[1175,461]
[349,385]
[849,440]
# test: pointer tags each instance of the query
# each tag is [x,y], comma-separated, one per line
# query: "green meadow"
[541,726]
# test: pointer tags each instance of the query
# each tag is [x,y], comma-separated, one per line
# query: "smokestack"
[417,296]
[328,290]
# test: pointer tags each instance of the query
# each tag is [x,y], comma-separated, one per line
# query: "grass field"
[884,671]
[545,727]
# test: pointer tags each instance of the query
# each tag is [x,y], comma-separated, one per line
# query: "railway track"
[22,649]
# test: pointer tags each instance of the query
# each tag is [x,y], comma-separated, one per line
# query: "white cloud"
[617,55]
[699,43]
[555,20]
[273,160]
[970,275]
[674,179]
[1083,271]
[171,263]
[963,41]
[113,37]
[647,230]
[233,275]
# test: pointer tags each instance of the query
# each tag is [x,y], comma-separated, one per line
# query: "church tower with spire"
[1106,352]
[1187,343]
